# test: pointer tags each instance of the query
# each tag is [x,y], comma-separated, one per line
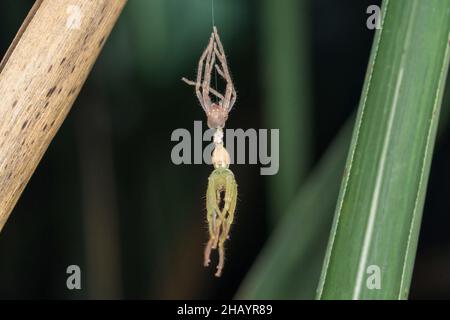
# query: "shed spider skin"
[216,112]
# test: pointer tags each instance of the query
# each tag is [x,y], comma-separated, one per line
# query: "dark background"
[106,196]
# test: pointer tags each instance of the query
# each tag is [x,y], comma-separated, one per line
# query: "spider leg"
[212,215]
[197,83]
[227,217]
[192,83]
[221,261]
[233,95]
[230,93]
[220,221]
[229,206]
[209,64]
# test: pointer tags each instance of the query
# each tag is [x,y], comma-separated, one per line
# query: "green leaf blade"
[380,205]
[289,264]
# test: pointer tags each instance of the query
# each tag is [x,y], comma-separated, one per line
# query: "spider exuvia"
[216,112]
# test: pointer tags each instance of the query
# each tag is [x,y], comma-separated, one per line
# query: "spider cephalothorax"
[221,194]
[216,112]
[217,116]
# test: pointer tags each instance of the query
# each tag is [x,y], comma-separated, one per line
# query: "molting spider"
[222,191]
[216,112]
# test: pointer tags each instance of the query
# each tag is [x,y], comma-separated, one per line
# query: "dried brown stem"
[41,76]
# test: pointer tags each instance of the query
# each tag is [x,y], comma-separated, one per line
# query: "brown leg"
[230,93]
[206,53]
[214,92]
[233,95]
[210,61]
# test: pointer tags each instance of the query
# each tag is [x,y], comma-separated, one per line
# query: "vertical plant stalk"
[377,220]
[306,223]
[40,77]
[299,240]
[284,30]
